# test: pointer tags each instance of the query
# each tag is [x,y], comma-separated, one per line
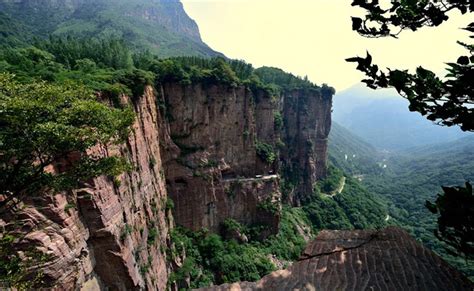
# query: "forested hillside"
[107,50]
[160,26]
[107,66]
[352,154]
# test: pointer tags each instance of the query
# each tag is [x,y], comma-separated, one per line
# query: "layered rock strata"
[212,149]
[112,233]
[388,259]
[214,172]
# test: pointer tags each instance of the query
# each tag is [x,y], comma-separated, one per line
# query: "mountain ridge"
[160,26]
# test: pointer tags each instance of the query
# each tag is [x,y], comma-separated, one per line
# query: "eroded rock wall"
[196,144]
[214,173]
[307,122]
[112,233]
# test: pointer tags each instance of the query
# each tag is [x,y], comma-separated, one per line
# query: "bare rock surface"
[388,259]
[113,232]
[213,171]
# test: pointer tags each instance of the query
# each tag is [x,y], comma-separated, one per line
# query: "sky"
[313,38]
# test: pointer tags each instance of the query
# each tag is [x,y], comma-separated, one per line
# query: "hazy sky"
[313,37]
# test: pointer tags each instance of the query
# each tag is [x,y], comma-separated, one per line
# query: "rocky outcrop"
[388,259]
[111,233]
[307,122]
[212,168]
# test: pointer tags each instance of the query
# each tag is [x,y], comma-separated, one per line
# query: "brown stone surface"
[307,119]
[388,259]
[205,147]
[102,235]
[214,128]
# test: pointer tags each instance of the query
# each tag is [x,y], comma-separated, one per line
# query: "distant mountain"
[382,118]
[161,26]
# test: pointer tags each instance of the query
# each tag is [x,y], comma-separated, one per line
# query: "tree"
[44,125]
[456,219]
[448,102]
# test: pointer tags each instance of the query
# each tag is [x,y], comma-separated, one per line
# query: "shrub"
[265,152]
[278,120]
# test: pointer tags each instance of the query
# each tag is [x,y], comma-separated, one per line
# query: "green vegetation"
[332,181]
[353,208]
[14,268]
[216,259]
[43,124]
[152,235]
[265,152]
[409,180]
[283,80]
[211,259]
[415,177]
[269,206]
[166,31]
[126,231]
[456,219]
[278,120]
[351,154]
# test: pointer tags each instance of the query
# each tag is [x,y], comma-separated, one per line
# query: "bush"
[265,152]
[278,120]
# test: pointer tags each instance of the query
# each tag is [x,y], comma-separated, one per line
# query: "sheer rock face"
[307,122]
[388,259]
[213,172]
[113,233]
[110,234]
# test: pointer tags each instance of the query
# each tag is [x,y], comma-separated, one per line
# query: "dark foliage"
[456,219]
[402,15]
[445,102]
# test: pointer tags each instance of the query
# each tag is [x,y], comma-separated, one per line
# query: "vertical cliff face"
[214,167]
[111,233]
[213,172]
[212,148]
[307,122]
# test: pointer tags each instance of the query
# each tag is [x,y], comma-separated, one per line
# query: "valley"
[133,156]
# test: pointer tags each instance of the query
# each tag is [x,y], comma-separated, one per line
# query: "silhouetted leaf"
[463,60]
[356,23]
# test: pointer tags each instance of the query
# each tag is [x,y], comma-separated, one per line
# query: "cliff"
[307,123]
[111,233]
[211,148]
[214,172]
[388,259]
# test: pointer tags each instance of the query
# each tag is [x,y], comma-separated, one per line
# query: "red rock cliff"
[213,172]
[199,144]
[111,234]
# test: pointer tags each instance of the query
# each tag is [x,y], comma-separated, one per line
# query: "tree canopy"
[456,218]
[447,101]
[44,125]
